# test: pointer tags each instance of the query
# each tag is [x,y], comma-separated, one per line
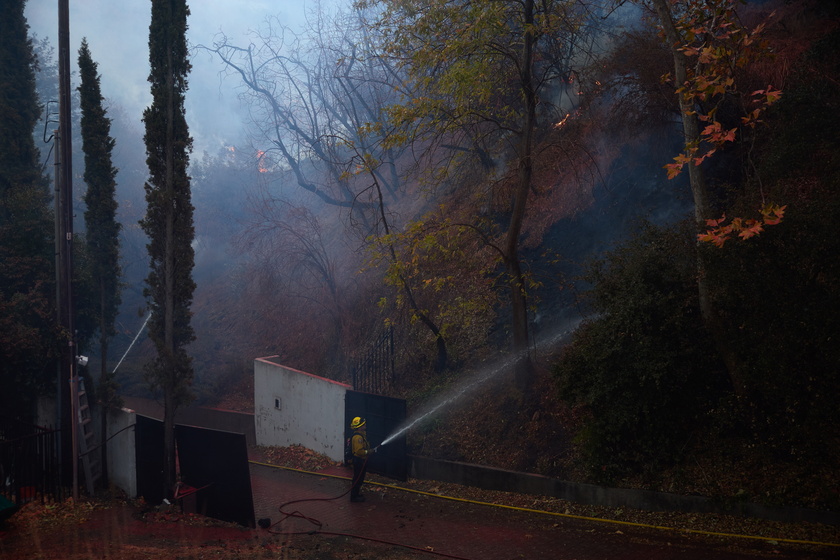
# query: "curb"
[489,478]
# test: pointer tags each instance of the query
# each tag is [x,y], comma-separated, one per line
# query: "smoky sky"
[118,35]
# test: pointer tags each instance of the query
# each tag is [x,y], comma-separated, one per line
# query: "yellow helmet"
[357,423]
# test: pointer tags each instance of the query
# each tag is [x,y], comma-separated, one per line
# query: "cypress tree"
[169,218]
[102,227]
[28,343]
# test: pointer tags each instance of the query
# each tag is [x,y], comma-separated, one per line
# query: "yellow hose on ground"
[567,515]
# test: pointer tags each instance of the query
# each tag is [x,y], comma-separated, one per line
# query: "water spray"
[130,346]
[480,379]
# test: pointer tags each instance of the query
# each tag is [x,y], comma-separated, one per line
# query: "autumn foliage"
[718,47]
[776,298]
[445,167]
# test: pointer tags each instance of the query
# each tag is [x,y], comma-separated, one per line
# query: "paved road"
[481,532]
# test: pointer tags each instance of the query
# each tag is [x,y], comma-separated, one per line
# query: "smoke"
[118,35]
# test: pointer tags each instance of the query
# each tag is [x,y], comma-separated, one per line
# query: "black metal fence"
[29,464]
[384,417]
[374,372]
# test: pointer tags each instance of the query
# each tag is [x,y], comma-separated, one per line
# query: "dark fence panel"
[384,416]
[29,466]
[148,441]
[215,465]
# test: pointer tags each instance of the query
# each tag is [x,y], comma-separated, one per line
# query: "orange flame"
[562,121]
[261,164]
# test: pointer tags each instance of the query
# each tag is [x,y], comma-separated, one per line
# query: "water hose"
[270,527]
[530,510]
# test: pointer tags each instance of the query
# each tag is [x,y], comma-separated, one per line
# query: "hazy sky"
[117,32]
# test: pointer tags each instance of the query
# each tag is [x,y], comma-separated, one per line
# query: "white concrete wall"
[293,407]
[122,461]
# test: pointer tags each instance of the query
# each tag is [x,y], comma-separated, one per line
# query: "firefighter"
[361,451]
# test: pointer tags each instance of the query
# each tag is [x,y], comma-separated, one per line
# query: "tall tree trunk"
[702,212]
[104,389]
[169,461]
[169,308]
[519,307]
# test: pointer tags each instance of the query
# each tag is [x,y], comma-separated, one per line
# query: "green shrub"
[642,365]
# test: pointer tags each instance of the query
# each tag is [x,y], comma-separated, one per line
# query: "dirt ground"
[113,527]
[116,528]
[129,531]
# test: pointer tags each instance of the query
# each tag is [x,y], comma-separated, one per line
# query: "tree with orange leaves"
[710,45]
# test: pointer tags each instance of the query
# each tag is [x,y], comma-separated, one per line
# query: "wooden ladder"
[90,456]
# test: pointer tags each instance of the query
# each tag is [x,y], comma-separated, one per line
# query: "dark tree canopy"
[27,281]
[169,216]
[102,227]
[23,189]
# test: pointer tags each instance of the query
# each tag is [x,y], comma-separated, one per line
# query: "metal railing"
[374,372]
[29,464]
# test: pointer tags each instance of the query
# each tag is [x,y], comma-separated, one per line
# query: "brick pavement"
[476,531]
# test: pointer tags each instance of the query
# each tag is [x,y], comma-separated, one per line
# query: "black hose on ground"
[266,524]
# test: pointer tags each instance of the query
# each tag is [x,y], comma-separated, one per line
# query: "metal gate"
[375,371]
[384,415]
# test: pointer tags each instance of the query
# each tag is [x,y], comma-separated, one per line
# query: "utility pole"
[65,239]
[62,389]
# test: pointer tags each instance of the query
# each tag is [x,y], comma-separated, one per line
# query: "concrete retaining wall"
[509,481]
[293,407]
